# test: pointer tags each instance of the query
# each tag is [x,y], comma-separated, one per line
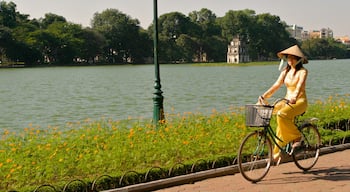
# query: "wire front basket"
[258,115]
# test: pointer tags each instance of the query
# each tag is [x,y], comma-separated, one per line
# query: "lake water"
[53,96]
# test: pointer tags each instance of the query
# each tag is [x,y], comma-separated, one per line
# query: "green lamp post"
[158,110]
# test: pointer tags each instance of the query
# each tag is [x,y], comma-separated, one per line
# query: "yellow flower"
[131,134]
[1,164]
[226,120]
[6,132]
[54,154]
[80,156]
[8,160]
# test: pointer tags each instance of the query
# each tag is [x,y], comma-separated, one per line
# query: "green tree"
[5,41]
[268,36]
[62,42]
[23,47]
[67,44]
[265,33]
[237,23]
[216,49]
[17,48]
[208,33]
[92,45]
[186,46]
[320,48]
[8,14]
[176,37]
[51,18]
[122,34]
[144,48]
[47,44]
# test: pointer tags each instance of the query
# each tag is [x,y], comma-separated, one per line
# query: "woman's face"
[292,60]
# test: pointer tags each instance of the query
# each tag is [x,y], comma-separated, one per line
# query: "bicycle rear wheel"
[254,156]
[306,156]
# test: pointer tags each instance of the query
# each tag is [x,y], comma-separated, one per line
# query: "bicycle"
[255,151]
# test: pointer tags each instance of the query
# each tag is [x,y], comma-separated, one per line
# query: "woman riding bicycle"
[294,77]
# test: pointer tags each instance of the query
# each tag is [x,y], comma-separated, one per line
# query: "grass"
[93,148]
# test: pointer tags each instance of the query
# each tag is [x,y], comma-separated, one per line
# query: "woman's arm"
[275,86]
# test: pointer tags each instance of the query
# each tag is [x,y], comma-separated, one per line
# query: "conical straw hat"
[293,50]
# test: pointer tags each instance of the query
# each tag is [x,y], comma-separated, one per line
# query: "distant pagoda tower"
[237,51]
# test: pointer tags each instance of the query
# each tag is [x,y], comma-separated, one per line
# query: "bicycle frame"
[270,133]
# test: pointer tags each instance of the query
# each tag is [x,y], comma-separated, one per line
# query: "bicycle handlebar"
[279,100]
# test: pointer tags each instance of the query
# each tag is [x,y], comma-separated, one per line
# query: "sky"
[309,14]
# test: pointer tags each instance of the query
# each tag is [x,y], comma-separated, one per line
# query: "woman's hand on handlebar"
[261,100]
[292,101]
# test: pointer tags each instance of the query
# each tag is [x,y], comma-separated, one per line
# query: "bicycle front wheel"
[254,156]
[307,155]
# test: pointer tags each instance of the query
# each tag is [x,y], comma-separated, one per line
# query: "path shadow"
[331,174]
[324,173]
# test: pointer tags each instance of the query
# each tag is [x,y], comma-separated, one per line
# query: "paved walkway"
[330,174]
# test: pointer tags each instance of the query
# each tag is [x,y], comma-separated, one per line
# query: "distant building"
[322,34]
[345,40]
[314,34]
[296,32]
[326,33]
[237,51]
[305,35]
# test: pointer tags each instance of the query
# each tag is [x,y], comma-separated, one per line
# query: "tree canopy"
[116,38]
